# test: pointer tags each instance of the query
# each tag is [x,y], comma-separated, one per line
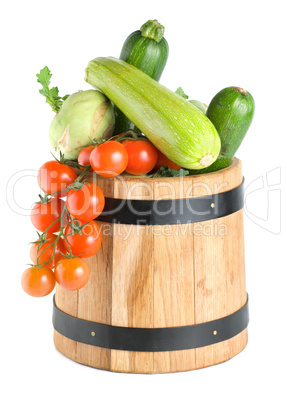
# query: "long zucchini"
[147,50]
[231,111]
[175,126]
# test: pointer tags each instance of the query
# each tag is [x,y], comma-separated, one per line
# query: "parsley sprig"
[51,94]
[165,171]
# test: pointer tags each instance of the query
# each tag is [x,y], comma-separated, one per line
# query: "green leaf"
[165,171]
[181,93]
[51,94]
[54,92]
[44,77]
[179,173]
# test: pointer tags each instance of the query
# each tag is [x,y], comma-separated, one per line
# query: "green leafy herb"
[51,94]
[181,93]
[165,171]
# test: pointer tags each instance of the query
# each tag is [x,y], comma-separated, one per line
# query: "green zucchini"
[231,111]
[201,106]
[175,126]
[147,50]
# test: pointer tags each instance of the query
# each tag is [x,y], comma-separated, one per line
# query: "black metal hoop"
[150,339]
[174,211]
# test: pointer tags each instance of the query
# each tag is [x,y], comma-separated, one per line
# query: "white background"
[213,44]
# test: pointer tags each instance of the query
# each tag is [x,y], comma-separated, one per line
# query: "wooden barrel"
[166,293]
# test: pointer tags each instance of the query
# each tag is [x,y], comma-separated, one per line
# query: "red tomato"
[72,273]
[43,215]
[84,157]
[109,159]
[87,203]
[55,177]
[165,161]
[86,243]
[142,156]
[38,281]
[47,249]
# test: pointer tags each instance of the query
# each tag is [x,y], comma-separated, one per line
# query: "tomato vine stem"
[43,236]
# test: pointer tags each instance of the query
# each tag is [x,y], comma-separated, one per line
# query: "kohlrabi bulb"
[84,116]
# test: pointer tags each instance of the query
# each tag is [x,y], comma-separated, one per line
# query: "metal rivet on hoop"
[93,333]
[214,332]
[212,205]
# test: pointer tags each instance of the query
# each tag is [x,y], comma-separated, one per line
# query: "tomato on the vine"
[43,214]
[46,252]
[85,203]
[84,156]
[163,160]
[54,178]
[38,281]
[72,273]
[109,159]
[142,156]
[87,242]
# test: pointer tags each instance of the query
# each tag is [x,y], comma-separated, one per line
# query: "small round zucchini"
[147,50]
[231,112]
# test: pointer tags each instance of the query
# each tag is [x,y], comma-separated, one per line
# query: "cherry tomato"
[84,157]
[87,203]
[38,281]
[72,273]
[165,161]
[142,156]
[86,243]
[109,159]
[43,215]
[54,177]
[47,249]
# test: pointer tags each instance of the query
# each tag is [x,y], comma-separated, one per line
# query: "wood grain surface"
[162,276]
